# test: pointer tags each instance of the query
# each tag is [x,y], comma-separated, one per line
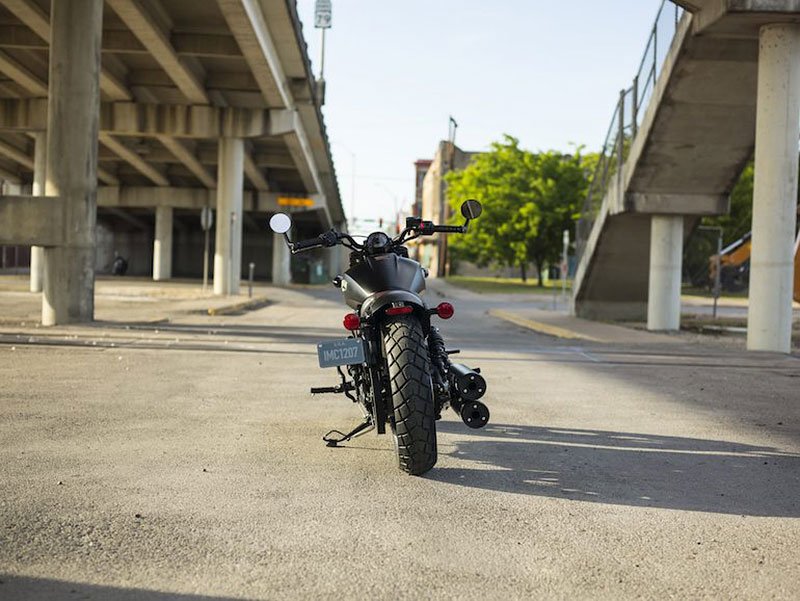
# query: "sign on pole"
[206,221]
[322,14]
[206,218]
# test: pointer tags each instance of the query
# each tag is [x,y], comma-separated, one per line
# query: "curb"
[540,327]
[248,305]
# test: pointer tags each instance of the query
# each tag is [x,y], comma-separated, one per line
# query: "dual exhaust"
[466,387]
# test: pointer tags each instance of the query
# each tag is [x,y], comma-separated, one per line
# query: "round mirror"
[471,209]
[280,223]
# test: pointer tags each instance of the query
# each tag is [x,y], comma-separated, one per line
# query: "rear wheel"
[412,394]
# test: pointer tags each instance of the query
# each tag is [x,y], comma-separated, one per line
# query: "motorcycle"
[395,364]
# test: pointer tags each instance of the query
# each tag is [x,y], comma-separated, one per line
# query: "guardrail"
[627,117]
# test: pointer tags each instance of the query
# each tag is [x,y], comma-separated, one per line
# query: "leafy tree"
[528,198]
[738,222]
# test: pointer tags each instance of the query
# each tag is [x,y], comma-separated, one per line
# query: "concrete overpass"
[727,81]
[142,112]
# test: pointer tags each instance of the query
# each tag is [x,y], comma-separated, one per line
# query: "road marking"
[538,326]
[760,454]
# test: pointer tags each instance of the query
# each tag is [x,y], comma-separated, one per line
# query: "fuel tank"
[381,273]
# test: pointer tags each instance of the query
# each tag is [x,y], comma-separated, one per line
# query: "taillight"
[445,310]
[352,322]
[404,310]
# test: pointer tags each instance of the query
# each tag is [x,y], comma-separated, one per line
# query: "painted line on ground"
[541,327]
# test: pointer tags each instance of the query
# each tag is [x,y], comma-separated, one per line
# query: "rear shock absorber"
[440,363]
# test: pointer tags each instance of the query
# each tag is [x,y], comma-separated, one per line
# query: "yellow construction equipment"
[735,265]
[797,268]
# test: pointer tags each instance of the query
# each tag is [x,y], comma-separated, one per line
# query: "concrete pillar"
[162,245]
[769,317]
[332,262]
[281,261]
[664,285]
[230,186]
[72,116]
[39,180]
[333,257]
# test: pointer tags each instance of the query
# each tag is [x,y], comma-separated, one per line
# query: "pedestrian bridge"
[130,116]
[679,138]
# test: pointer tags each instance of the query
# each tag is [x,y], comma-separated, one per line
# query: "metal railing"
[627,118]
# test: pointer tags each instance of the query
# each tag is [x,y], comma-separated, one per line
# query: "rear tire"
[412,394]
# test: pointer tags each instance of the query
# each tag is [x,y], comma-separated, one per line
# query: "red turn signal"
[445,310]
[352,322]
[405,310]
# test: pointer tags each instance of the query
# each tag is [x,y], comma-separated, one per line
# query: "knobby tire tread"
[412,394]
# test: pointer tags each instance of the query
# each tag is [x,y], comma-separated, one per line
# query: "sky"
[546,72]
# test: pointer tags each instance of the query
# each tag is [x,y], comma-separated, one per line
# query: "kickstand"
[334,442]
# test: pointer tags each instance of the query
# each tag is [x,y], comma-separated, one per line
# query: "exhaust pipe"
[466,382]
[474,414]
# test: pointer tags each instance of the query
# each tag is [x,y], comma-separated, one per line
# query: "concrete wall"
[187,253]
[134,246]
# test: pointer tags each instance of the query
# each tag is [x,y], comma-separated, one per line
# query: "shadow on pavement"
[621,468]
[17,588]
[229,338]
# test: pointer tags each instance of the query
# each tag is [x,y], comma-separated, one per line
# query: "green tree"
[529,200]
[739,221]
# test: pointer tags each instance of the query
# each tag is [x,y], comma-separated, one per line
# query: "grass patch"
[706,292]
[489,285]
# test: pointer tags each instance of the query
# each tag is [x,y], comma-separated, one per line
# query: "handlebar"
[307,244]
[449,229]
[332,237]
[324,240]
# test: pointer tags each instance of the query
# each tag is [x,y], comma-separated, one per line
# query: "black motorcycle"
[398,368]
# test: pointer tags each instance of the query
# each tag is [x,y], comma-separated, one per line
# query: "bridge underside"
[161,108]
[729,83]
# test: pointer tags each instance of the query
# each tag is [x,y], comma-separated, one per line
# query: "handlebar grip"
[449,229]
[307,244]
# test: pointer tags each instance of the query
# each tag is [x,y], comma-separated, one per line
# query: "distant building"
[420,169]
[432,251]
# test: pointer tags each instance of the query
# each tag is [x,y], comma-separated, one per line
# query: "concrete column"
[664,286]
[72,116]
[162,245]
[281,261]
[332,262]
[39,180]
[769,317]
[230,186]
[333,257]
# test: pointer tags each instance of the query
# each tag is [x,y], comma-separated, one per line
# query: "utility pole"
[448,164]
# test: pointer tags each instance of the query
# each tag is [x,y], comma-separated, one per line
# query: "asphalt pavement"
[184,460]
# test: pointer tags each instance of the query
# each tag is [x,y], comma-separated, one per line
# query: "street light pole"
[395,203]
[564,266]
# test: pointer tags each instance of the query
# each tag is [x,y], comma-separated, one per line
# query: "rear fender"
[378,302]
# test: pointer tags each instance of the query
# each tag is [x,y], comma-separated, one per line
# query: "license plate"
[348,351]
